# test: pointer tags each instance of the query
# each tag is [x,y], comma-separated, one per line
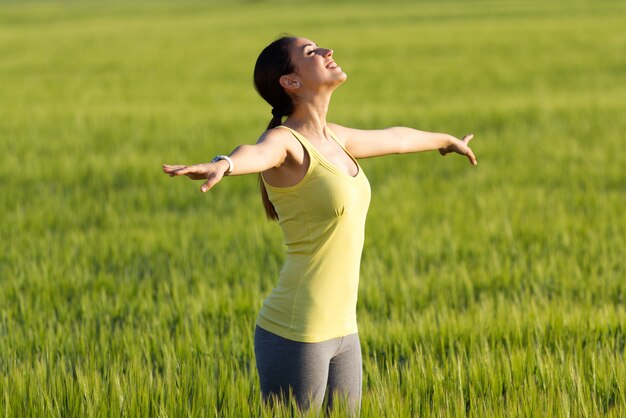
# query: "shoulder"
[277,136]
[280,138]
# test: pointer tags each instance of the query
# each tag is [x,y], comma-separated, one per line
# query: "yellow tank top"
[323,221]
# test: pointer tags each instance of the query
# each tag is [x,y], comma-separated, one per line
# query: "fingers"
[183,171]
[173,170]
[194,172]
[208,185]
[471,157]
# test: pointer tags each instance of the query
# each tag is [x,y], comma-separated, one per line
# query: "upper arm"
[368,143]
[273,147]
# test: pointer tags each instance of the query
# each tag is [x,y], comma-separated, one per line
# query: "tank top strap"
[305,143]
[336,139]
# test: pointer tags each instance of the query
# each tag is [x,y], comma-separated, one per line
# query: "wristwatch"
[231,165]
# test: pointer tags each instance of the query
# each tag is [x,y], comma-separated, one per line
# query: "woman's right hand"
[212,172]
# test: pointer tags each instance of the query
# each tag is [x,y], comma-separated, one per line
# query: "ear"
[289,82]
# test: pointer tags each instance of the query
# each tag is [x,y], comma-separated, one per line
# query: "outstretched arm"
[401,140]
[270,151]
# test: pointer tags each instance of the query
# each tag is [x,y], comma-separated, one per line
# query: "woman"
[306,340]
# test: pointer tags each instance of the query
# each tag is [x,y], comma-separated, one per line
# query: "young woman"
[306,342]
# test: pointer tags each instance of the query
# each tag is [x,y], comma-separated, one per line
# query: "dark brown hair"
[273,62]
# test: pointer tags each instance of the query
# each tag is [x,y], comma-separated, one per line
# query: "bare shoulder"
[280,138]
[275,136]
[272,135]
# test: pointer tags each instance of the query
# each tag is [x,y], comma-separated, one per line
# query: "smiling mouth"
[331,65]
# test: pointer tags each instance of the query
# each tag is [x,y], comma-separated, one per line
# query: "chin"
[337,80]
[342,77]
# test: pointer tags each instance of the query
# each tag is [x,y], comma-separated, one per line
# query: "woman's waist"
[309,315]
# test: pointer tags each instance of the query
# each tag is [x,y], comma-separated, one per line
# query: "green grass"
[489,291]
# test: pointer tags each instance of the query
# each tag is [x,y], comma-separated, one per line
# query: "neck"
[309,115]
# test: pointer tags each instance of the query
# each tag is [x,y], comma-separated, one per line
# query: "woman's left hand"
[460,146]
[212,172]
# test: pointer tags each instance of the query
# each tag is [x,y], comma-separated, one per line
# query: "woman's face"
[314,66]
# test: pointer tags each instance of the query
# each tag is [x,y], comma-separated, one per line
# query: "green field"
[490,291]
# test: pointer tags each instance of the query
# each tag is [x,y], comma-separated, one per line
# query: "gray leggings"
[309,370]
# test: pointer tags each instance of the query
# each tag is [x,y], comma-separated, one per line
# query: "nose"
[328,53]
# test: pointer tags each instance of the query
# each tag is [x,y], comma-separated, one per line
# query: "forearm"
[408,140]
[248,159]
[394,140]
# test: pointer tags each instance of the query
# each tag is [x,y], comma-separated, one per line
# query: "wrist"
[224,164]
[224,161]
[449,140]
[446,141]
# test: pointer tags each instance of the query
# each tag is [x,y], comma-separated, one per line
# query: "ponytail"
[273,62]
[270,210]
